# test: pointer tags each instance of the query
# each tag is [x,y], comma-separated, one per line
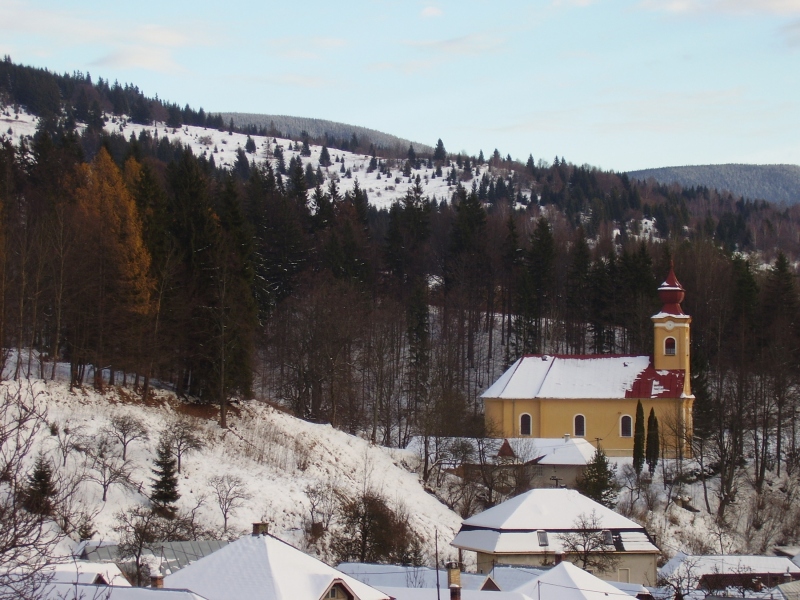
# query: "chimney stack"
[454,575]
[260,529]
[157,581]
[566,437]
[455,592]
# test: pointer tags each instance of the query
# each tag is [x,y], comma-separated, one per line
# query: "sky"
[622,85]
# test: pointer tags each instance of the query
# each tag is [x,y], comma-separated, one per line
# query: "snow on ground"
[223,147]
[278,456]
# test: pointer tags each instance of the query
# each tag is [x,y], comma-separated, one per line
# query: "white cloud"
[740,7]
[432,11]
[465,45]
[140,57]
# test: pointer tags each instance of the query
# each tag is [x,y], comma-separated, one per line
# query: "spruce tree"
[165,485]
[439,154]
[250,145]
[652,451]
[598,481]
[325,157]
[638,439]
[40,491]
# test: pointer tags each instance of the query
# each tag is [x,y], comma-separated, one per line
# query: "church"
[595,396]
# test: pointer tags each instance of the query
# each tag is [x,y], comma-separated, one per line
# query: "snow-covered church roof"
[265,568]
[586,376]
[513,527]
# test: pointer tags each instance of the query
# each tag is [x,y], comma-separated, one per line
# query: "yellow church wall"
[552,418]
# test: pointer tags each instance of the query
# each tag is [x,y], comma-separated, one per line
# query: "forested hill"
[775,183]
[296,127]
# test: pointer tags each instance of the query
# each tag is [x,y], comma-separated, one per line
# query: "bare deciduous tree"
[183,437]
[106,467]
[126,429]
[230,492]
[68,438]
[589,544]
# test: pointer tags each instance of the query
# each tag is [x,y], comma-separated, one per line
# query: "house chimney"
[260,529]
[566,437]
[157,581]
[454,575]
[559,558]
[455,592]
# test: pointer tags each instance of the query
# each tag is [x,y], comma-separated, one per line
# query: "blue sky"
[620,85]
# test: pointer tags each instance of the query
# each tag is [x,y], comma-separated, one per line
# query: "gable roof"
[265,568]
[586,376]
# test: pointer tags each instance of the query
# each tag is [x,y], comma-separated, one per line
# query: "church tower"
[671,334]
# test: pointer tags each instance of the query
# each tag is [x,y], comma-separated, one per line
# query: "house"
[711,573]
[262,567]
[539,462]
[595,396]
[542,526]
[86,572]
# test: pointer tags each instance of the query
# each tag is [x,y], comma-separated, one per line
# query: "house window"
[580,426]
[608,538]
[625,426]
[525,424]
[332,593]
[542,535]
[669,346]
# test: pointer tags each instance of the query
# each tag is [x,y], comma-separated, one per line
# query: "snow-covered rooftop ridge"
[262,566]
[731,564]
[83,591]
[565,581]
[548,509]
[569,377]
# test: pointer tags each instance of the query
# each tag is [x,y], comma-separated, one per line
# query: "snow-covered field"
[280,458]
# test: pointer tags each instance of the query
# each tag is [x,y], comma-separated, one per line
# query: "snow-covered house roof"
[82,591]
[402,593]
[398,576]
[697,567]
[565,581]
[589,376]
[172,555]
[513,527]
[81,571]
[263,567]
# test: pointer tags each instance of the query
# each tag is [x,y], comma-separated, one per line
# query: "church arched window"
[626,426]
[669,346]
[580,426]
[525,424]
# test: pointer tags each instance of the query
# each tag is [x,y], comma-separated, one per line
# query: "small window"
[608,539]
[332,593]
[669,346]
[625,426]
[542,535]
[525,424]
[580,426]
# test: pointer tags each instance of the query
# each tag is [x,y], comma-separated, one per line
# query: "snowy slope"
[222,146]
[278,456]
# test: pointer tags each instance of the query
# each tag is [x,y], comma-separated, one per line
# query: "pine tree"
[653,443]
[638,439]
[165,485]
[250,145]
[598,481]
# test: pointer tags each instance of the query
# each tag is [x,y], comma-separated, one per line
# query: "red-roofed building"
[595,396]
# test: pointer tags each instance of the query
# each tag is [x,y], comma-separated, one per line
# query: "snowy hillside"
[382,190]
[279,458]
